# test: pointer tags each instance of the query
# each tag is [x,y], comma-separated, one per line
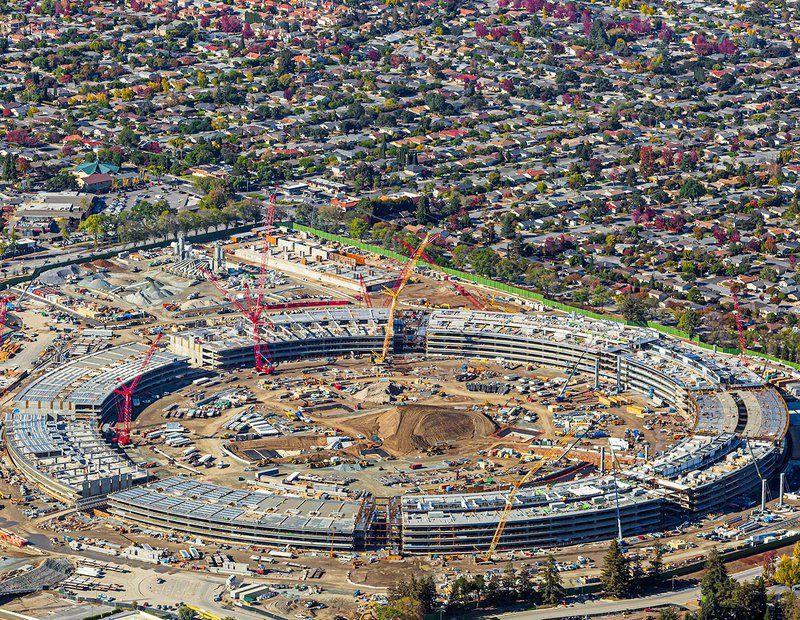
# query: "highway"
[595,607]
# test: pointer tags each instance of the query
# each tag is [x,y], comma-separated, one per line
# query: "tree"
[615,574]
[715,588]
[422,590]
[184,613]
[358,227]
[656,569]
[94,225]
[551,590]
[600,296]
[423,212]
[404,608]
[484,261]
[689,321]
[692,190]
[787,571]
[633,308]
[668,613]
[63,227]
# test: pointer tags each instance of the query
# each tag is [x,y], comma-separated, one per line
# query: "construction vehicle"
[555,454]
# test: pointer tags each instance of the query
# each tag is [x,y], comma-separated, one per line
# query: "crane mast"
[254,306]
[737,314]
[126,391]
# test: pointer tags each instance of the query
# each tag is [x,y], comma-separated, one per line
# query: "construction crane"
[364,292]
[472,299]
[254,306]
[554,454]
[560,396]
[125,408]
[394,294]
[737,314]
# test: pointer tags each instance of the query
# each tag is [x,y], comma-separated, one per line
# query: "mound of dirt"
[416,428]
[380,392]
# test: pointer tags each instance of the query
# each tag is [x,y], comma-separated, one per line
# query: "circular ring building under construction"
[740,429]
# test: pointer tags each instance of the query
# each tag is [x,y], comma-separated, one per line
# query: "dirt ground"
[417,428]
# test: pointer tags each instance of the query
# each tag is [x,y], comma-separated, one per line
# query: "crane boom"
[364,292]
[472,299]
[569,377]
[556,453]
[262,274]
[394,294]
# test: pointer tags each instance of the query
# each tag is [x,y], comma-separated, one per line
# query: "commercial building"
[240,517]
[86,385]
[289,336]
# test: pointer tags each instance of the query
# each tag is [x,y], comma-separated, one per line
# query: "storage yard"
[331,460]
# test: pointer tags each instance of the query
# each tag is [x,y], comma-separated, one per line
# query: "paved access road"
[603,607]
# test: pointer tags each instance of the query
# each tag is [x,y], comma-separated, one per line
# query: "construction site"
[287,411]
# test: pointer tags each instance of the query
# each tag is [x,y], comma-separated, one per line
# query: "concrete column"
[602,460]
[763,495]
[619,373]
[646,453]
[597,373]
[782,489]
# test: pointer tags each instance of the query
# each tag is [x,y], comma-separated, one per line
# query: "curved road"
[605,607]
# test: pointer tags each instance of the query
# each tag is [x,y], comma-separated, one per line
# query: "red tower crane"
[739,327]
[254,306]
[125,407]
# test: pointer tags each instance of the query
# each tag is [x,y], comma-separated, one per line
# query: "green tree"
[423,213]
[422,590]
[600,296]
[689,321]
[692,190]
[634,308]
[404,608]
[358,227]
[615,574]
[184,613]
[668,613]
[551,591]
[94,225]
[716,588]
[484,261]
[656,569]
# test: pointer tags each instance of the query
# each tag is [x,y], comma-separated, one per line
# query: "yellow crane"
[394,293]
[554,453]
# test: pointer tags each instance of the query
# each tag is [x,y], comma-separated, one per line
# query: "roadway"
[594,607]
